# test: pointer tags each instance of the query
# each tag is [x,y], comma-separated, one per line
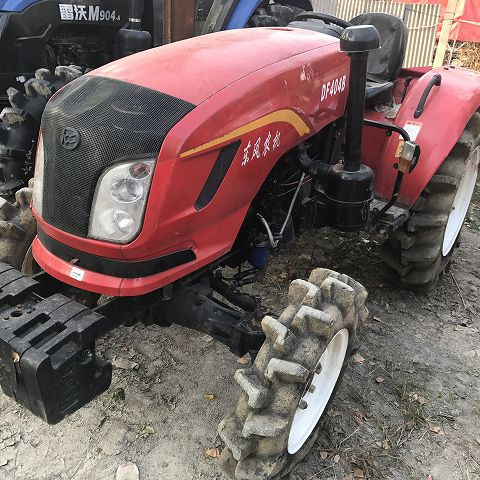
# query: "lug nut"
[318,369]
[302,405]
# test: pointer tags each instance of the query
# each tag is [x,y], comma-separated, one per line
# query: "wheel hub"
[318,391]
[461,202]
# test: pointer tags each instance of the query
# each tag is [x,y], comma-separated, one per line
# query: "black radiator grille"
[115,121]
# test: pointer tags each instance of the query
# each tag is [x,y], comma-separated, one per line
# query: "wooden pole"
[447,25]
[452,52]
[179,20]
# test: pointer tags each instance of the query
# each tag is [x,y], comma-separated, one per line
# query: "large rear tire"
[418,254]
[20,124]
[278,414]
[19,128]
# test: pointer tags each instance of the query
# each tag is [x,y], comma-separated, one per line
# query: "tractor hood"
[127,109]
[195,69]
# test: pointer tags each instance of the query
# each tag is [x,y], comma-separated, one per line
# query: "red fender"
[447,111]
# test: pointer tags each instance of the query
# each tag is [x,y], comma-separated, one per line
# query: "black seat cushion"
[378,93]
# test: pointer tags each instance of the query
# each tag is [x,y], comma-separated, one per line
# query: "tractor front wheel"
[294,378]
[417,254]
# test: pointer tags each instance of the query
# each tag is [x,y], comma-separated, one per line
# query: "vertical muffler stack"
[131,38]
[349,185]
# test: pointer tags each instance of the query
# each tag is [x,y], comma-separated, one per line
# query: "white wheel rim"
[461,203]
[305,420]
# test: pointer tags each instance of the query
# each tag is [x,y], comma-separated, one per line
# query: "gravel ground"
[408,407]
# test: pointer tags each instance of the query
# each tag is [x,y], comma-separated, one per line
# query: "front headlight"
[120,200]
[38,178]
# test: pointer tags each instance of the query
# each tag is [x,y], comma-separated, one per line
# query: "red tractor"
[156,172]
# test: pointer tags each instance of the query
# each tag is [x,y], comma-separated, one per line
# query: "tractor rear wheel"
[418,254]
[294,378]
[19,128]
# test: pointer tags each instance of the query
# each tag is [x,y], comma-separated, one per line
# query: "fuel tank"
[215,112]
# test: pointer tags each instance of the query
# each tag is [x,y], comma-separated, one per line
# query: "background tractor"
[46,44]
[159,202]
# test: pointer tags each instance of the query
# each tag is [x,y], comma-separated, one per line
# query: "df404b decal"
[330,89]
[87,13]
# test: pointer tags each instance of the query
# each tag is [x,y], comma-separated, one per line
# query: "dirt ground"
[408,408]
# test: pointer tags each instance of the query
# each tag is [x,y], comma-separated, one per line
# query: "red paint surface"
[195,69]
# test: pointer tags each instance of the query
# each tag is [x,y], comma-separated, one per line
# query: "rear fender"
[15,5]
[448,110]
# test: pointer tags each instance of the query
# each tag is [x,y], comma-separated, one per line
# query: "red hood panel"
[197,68]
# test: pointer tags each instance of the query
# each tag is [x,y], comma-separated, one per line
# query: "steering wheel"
[324,17]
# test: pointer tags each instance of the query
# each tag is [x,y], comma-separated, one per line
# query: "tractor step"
[391,220]
[47,348]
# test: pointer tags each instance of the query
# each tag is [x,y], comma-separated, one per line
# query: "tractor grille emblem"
[70,138]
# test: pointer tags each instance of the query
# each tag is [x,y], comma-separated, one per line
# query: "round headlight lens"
[123,221]
[127,190]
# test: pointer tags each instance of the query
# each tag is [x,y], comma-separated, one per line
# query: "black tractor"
[45,44]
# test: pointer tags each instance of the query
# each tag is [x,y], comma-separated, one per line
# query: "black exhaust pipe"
[131,38]
[135,15]
[357,42]
[349,185]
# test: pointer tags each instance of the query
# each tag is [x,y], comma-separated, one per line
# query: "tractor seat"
[378,93]
[385,64]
